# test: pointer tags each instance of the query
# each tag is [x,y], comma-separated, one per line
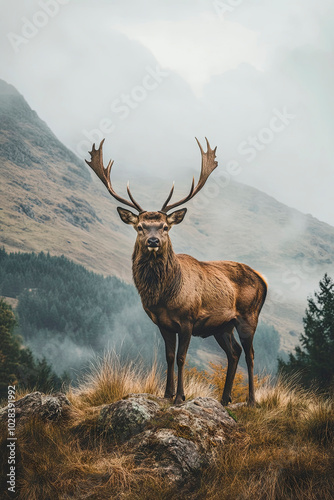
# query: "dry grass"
[110,380]
[212,382]
[282,449]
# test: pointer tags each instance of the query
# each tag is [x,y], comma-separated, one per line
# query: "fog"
[255,77]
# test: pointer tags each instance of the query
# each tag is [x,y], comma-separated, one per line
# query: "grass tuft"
[110,380]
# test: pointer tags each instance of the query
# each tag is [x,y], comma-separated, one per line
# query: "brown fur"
[187,297]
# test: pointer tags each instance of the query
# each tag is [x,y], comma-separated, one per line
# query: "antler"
[208,165]
[96,164]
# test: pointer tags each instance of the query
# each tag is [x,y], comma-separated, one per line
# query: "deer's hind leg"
[227,341]
[246,329]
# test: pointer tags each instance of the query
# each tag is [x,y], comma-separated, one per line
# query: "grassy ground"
[282,449]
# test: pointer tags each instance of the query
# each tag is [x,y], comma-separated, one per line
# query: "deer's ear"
[127,216]
[176,217]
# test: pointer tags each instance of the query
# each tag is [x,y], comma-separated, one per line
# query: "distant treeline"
[59,296]
[66,313]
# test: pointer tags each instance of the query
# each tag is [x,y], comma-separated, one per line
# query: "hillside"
[50,202]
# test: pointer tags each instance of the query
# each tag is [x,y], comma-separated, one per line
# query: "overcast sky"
[254,76]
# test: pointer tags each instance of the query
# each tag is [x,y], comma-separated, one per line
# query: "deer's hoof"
[179,399]
[226,401]
[168,395]
[251,403]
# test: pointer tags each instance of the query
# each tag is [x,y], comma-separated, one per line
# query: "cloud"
[225,78]
[198,47]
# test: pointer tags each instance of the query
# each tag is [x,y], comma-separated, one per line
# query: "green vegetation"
[67,314]
[57,295]
[313,361]
[17,364]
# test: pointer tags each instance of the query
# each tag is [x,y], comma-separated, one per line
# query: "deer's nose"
[153,242]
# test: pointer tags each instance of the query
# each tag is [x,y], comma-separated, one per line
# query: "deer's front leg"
[184,340]
[170,344]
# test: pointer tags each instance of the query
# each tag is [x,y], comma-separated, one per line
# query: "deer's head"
[152,227]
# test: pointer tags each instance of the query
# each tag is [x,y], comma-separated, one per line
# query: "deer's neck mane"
[157,277]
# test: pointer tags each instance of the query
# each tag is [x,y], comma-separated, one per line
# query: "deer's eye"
[140,228]
[165,228]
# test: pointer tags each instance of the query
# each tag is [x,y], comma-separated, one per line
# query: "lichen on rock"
[47,407]
[127,417]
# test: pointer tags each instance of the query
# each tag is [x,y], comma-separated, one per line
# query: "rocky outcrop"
[47,407]
[175,441]
[172,441]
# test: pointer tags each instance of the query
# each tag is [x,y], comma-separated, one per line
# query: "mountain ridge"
[51,202]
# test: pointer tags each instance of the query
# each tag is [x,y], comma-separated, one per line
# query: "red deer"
[184,296]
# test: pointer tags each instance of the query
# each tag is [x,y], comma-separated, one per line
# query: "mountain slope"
[50,202]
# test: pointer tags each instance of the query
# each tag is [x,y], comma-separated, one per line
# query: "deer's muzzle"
[153,244]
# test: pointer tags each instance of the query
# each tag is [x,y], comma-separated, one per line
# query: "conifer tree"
[17,364]
[9,349]
[314,359]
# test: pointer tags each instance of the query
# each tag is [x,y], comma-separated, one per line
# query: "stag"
[184,296]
